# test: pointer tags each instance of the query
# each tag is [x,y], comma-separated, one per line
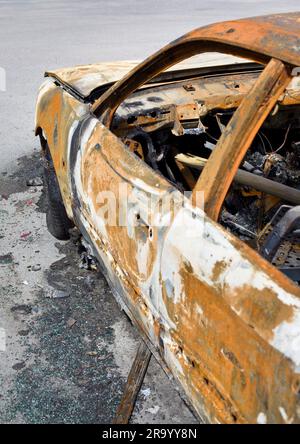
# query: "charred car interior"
[174,127]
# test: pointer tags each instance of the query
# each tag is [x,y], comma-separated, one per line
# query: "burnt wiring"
[273,174]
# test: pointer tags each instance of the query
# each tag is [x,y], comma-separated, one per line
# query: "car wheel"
[57,220]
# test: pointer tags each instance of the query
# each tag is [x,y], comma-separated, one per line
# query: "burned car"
[182,174]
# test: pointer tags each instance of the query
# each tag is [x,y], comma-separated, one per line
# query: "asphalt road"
[36,35]
[66,358]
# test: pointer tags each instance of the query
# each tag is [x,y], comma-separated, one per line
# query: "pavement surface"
[65,345]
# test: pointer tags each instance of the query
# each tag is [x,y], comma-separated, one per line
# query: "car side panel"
[234,322]
[225,323]
[58,114]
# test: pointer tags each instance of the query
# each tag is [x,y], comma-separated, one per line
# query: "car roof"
[276,35]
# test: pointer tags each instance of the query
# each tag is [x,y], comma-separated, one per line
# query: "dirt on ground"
[65,345]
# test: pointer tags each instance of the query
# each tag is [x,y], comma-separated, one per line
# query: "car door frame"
[182,356]
[241,130]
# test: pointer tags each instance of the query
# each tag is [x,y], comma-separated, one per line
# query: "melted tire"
[57,220]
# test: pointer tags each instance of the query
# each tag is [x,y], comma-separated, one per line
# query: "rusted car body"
[222,317]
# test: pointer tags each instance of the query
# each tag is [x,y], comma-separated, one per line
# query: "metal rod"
[242,177]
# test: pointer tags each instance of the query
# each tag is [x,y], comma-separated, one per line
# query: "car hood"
[84,79]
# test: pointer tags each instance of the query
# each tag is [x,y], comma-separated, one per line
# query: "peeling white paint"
[284,416]
[261,418]
[243,273]
[238,312]
[87,133]
[209,246]
[69,142]
[287,339]
[145,187]
[199,310]
[98,222]
[170,357]
[143,252]
[170,267]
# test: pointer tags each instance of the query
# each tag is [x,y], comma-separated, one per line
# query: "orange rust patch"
[218,269]
[230,361]
[261,309]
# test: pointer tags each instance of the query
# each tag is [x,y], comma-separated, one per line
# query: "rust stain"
[233,370]
[260,309]
[219,268]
